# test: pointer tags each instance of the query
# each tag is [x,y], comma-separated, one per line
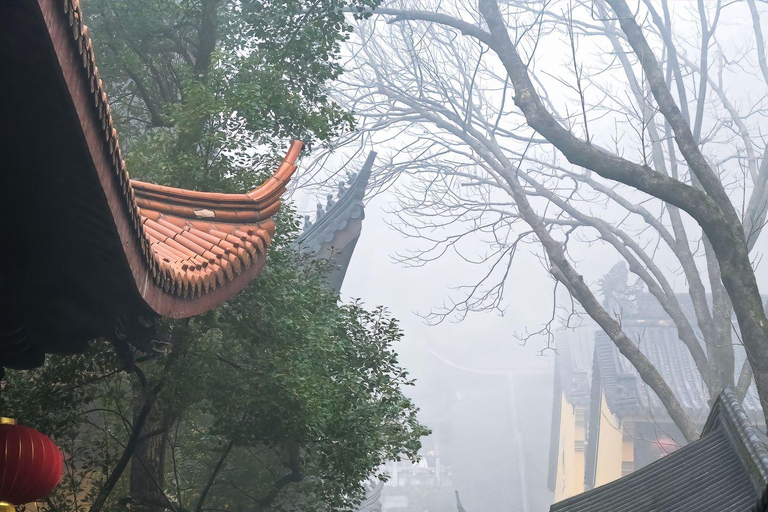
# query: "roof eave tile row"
[192,242]
[723,470]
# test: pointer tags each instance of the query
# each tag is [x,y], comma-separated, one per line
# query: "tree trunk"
[148,465]
[710,207]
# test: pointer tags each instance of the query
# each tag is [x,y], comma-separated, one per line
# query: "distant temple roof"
[459,506]
[200,241]
[336,228]
[371,502]
[85,245]
[627,395]
[647,324]
[725,470]
[573,364]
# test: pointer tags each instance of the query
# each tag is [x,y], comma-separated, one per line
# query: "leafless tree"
[568,125]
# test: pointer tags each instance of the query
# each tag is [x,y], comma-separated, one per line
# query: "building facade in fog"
[607,422]
[573,376]
[726,469]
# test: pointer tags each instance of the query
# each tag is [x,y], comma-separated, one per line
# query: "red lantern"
[30,465]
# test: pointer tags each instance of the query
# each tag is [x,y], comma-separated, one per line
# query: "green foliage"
[299,395]
[83,402]
[281,365]
[203,116]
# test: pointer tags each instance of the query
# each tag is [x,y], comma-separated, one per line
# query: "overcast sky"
[487,342]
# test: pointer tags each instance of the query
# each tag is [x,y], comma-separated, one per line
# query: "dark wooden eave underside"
[76,256]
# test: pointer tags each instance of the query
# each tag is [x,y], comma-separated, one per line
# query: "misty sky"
[487,342]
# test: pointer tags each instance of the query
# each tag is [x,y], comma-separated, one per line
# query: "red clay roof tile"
[193,242]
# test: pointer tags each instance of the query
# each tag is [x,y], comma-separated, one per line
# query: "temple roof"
[199,241]
[725,470]
[87,247]
[347,206]
[459,506]
[646,323]
[573,363]
[336,228]
[627,395]
[192,242]
[371,502]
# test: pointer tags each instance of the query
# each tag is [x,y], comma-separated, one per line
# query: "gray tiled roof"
[333,234]
[724,471]
[627,394]
[573,363]
[338,212]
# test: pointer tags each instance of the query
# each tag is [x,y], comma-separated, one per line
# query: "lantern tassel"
[6,507]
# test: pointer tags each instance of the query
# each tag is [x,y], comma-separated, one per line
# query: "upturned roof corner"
[346,205]
[96,252]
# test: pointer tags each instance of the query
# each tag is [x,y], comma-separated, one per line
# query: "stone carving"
[619,297]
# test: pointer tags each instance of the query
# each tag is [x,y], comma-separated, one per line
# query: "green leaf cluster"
[299,396]
[283,366]
[205,92]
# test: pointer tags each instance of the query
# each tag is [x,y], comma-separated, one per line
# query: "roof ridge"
[329,221]
[727,410]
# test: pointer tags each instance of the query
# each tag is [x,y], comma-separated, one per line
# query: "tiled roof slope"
[338,213]
[190,243]
[724,471]
[199,241]
[573,363]
[334,233]
[627,394]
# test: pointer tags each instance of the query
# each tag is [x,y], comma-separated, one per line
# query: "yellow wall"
[570,460]
[628,448]
[610,447]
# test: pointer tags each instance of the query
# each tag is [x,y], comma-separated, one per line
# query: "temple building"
[726,470]
[334,232]
[90,252]
[628,426]
[573,378]
[607,423]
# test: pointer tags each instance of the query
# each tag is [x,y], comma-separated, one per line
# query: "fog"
[484,390]
[506,383]
[561,204]
[483,383]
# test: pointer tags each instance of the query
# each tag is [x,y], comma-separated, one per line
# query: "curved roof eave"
[188,251]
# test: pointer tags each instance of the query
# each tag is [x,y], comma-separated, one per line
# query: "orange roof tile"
[191,243]
[200,240]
